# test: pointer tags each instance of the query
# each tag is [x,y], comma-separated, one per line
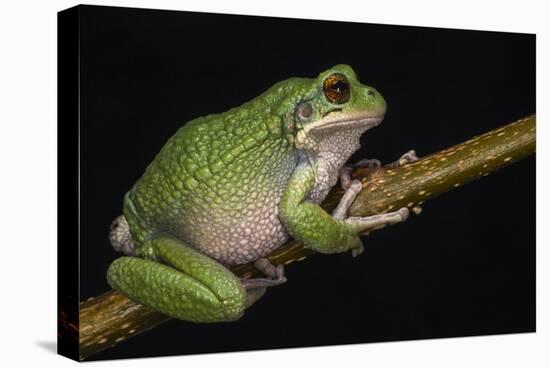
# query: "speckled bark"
[111,318]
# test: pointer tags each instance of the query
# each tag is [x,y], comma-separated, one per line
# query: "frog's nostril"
[371,92]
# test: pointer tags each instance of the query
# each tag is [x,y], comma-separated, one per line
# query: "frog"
[231,187]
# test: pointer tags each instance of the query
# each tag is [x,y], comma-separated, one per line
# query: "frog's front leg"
[310,224]
[191,286]
[370,223]
[345,172]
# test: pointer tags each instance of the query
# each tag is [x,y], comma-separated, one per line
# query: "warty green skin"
[230,188]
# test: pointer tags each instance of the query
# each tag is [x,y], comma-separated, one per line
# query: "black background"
[465,266]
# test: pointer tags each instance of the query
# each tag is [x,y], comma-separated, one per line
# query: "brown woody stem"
[110,318]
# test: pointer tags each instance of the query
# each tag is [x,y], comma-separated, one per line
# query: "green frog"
[230,188]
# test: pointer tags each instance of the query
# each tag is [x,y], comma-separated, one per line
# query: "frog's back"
[216,185]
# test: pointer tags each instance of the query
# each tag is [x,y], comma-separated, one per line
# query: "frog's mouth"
[337,122]
[344,121]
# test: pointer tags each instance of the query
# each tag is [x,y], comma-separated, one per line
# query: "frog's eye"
[336,88]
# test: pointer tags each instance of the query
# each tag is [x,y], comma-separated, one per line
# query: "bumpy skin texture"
[229,188]
[184,277]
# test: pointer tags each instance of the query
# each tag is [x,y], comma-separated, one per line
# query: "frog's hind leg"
[187,285]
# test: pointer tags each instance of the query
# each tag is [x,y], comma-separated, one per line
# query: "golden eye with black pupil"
[336,88]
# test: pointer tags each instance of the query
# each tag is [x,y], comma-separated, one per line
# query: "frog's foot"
[364,225]
[275,275]
[256,287]
[345,172]
[408,157]
[120,237]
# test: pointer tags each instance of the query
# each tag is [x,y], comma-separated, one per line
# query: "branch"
[110,318]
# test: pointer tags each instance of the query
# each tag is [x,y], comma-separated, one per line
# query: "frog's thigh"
[190,287]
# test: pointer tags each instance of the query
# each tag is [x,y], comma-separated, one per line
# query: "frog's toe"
[275,275]
[367,163]
[417,209]
[354,188]
[357,251]
[345,177]
[268,269]
[404,213]
[406,158]
[366,224]
[345,172]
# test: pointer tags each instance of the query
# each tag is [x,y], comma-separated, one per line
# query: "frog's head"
[334,103]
